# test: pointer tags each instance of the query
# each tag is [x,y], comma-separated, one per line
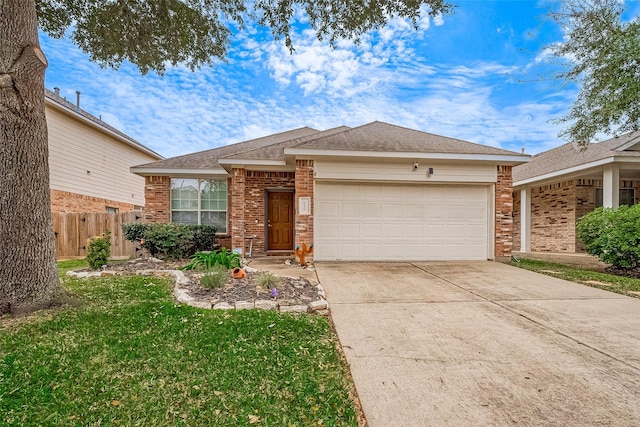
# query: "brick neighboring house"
[89,161]
[373,192]
[561,185]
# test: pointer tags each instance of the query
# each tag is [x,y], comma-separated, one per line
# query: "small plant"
[207,260]
[172,241]
[98,250]
[267,280]
[214,277]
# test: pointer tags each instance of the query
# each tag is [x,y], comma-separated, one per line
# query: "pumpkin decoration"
[302,252]
[238,273]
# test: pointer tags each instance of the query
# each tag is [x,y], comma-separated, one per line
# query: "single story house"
[561,185]
[376,192]
[89,161]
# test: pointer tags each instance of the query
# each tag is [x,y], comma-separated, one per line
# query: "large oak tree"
[601,53]
[149,34]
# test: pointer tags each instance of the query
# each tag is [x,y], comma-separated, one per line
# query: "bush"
[208,259]
[98,250]
[173,241]
[613,235]
[215,277]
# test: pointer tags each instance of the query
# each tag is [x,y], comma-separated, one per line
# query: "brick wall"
[236,212]
[304,188]
[504,211]
[516,221]
[64,201]
[256,185]
[553,217]
[157,194]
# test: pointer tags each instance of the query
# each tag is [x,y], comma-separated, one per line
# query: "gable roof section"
[376,139]
[569,158]
[276,151]
[383,139]
[69,108]
[208,160]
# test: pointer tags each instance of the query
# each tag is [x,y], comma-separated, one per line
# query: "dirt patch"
[289,290]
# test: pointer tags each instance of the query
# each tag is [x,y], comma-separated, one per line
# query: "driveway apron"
[484,344]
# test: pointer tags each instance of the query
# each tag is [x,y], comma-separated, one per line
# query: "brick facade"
[504,212]
[64,201]
[304,188]
[555,209]
[257,184]
[157,194]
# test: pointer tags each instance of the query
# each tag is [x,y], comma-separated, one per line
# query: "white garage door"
[387,222]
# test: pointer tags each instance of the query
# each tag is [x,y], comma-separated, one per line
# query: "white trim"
[243,162]
[178,172]
[503,158]
[629,144]
[130,142]
[562,172]
[537,180]
[525,220]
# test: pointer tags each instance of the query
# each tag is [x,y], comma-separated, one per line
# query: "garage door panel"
[400,222]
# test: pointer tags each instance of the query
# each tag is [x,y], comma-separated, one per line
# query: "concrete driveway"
[484,344]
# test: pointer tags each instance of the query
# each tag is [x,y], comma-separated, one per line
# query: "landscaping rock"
[293,308]
[318,305]
[244,305]
[322,312]
[183,297]
[248,269]
[264,304]
[200,304]
[223,306]
[320,290]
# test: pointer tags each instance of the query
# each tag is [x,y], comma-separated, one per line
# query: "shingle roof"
[381,137]
[276,151]
[376,136]
[570,155]
[208,159]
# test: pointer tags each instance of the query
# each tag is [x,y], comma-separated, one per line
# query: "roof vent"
[57,91]
[522,150]
[78,99]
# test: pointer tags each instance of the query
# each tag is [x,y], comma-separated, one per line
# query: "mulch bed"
[291,291]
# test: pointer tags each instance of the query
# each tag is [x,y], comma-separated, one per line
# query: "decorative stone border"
[181,294]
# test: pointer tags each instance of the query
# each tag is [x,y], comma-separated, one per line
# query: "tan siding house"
[89,162]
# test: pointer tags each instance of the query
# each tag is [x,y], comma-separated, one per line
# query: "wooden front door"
[280,221]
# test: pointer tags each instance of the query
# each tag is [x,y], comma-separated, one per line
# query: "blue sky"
[474,75]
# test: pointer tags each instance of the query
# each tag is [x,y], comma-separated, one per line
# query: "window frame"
[198,210]
[599,191]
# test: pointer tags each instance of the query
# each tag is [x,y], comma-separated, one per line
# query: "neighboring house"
[377,192]
[89,161]
[561,185]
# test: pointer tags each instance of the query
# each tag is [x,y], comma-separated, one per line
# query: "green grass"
[613,283]
[130,356]
[72,264]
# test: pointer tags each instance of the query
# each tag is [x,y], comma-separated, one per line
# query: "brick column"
[236,223]
[504,212]
[304,188]
[157,196]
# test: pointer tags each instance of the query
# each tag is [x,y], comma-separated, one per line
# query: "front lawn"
[130,356]
[609,282]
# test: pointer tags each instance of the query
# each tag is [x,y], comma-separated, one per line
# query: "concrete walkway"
[484,344]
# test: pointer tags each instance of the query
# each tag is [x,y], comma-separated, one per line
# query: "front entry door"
[280,221]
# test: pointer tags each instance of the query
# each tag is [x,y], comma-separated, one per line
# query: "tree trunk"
[28,274]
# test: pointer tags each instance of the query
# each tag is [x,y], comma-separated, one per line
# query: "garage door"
[387,222]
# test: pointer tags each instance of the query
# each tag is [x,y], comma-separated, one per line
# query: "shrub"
[207,259]
[613,235]
[214,277]
[173,241]
[267,280]
[98,250]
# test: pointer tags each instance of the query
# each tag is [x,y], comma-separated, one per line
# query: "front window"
[199,201]
[626,196]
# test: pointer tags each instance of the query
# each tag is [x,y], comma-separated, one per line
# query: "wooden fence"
[73,230]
